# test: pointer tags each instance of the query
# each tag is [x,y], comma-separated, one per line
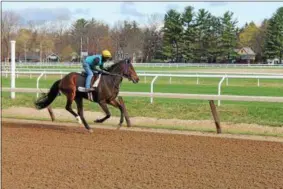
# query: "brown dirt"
[50,156]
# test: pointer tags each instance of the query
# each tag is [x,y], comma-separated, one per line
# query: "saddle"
[94,77]
[94,81]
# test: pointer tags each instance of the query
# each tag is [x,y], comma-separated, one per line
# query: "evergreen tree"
[228,37]
[173,31]
[274,42]
[189,34]
[202,29]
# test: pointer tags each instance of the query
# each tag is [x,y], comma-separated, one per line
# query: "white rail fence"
[170,95]
[156,76]
[210,98]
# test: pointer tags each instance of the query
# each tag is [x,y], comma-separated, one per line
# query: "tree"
[152,39]
[274,43]
[248,35]
[9,25]
[127,38]
[78,30]
[67,53]
[189,34]
[251,36]
[173,34]
[228,36]
[23,41]
[201,38]
[214,39]
[97,37]
[260,40]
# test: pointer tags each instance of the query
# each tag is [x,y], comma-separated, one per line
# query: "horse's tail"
[47,98]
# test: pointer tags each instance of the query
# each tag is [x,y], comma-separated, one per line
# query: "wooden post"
[125,111]
[215,116]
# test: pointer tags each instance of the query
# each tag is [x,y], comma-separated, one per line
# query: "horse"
[105,93]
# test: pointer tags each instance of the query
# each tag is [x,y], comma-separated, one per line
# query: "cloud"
[129,9]
[42,15]
[218,4]
[82,11]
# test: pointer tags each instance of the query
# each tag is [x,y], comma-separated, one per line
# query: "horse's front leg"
[104,107]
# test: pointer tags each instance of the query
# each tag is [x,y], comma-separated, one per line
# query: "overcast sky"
[111,12]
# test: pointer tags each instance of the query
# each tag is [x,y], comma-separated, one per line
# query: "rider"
[94,64]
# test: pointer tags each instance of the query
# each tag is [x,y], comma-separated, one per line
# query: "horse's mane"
[116,64]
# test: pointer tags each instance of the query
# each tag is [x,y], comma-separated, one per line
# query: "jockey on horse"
[94,65]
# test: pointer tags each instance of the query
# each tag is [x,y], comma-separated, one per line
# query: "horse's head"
[126,69]
[129,71]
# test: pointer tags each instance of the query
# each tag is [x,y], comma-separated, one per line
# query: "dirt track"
[46,156]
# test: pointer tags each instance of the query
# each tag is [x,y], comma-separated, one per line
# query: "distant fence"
[176,65]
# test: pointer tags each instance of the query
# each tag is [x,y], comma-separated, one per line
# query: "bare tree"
[152,37]
[10,23]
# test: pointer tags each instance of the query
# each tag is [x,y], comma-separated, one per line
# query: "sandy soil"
[50,156]
[63,115]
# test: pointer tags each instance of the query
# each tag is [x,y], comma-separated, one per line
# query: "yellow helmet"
[106,54]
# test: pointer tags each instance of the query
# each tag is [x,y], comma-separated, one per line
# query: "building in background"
[245,55]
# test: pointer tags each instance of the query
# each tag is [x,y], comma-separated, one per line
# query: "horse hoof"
[90,130]
[78,118]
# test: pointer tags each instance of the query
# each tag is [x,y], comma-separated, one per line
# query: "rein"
[121,75]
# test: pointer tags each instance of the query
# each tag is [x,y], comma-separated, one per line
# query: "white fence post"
[151,88]
[197,79]
[219,88]
[13,67]
[144,78]
[37,82]
[227,80]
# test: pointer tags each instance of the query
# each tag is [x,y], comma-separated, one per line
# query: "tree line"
[188,36]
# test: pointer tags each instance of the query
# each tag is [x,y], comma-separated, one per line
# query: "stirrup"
[86,90]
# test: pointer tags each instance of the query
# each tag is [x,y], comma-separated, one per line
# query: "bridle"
[125,74]
[127,69]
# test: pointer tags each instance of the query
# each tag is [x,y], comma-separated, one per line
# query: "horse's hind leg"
[70,98]
[79,102]
[104,107]
[116,104]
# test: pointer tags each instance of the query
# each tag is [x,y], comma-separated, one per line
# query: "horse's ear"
[128,60]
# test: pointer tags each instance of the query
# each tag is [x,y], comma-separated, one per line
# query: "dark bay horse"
[105,93]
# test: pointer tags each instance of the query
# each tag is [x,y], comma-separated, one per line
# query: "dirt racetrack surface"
[48,156]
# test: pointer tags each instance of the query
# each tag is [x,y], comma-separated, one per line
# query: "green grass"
[236,112]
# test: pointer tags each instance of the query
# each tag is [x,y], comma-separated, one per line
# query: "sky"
[111,12]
